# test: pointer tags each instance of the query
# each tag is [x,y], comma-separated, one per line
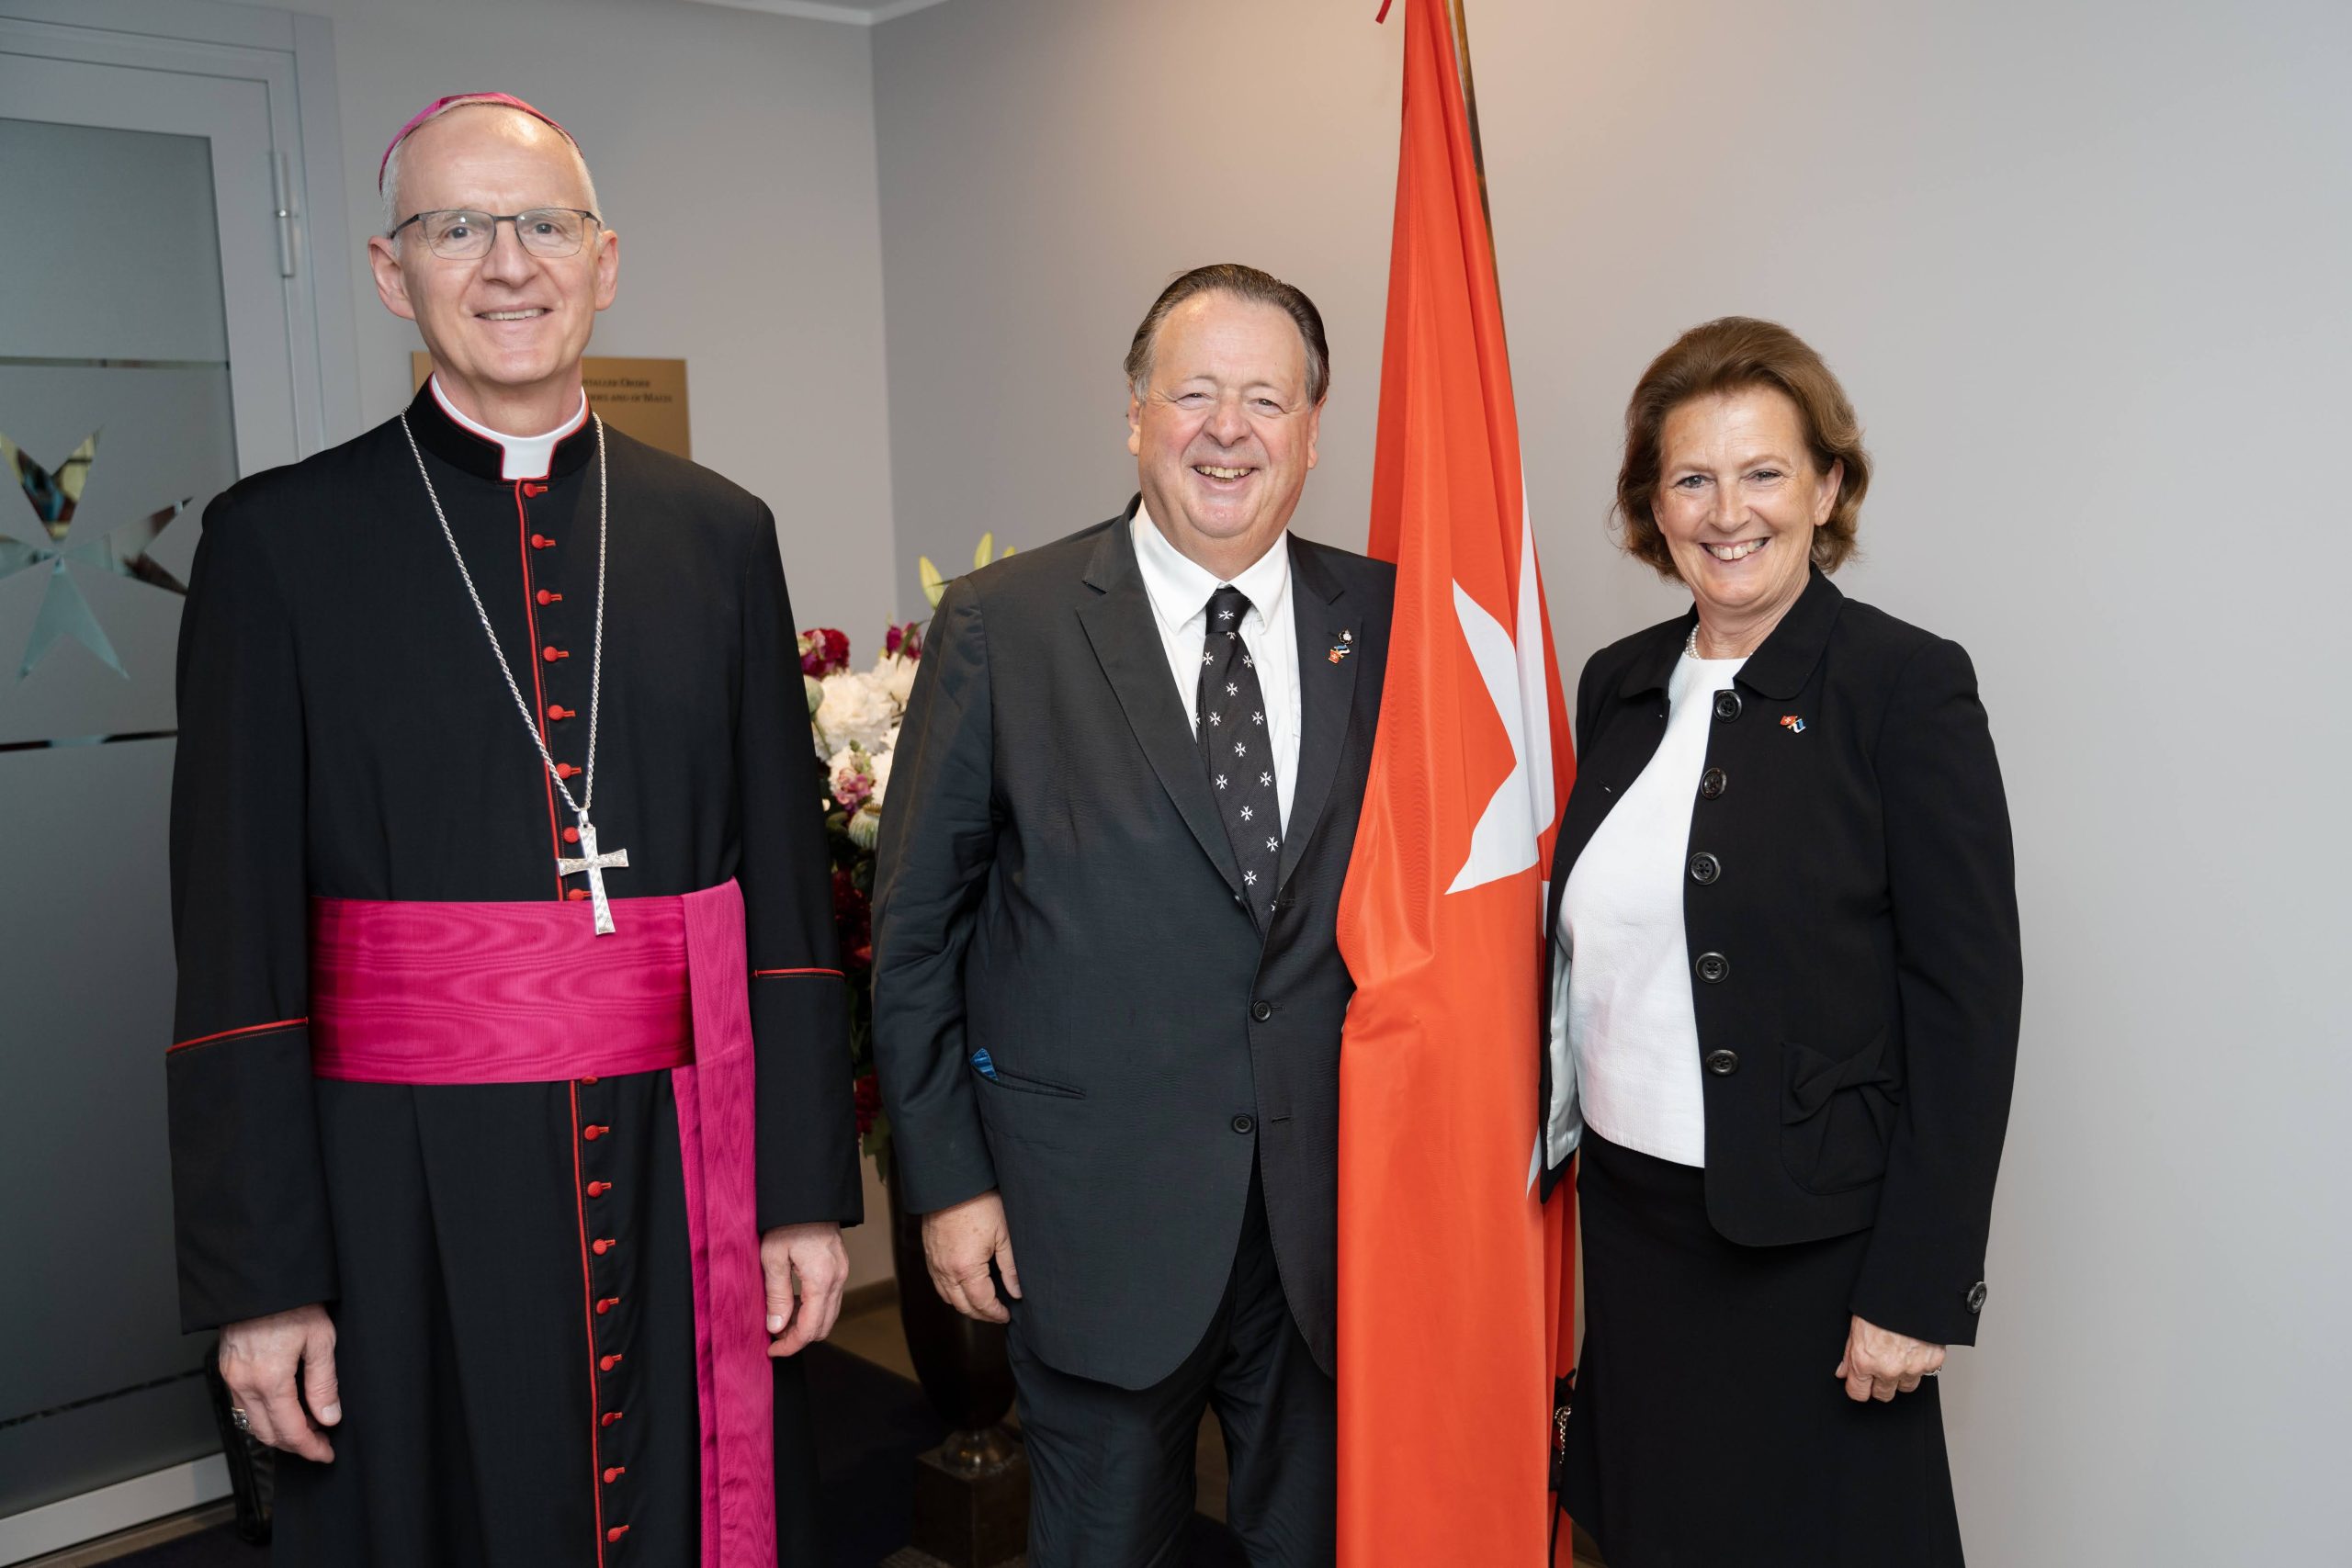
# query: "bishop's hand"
[958,1245]
[806,1268]
[260,1358]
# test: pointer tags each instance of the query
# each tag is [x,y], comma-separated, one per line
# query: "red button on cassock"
[615,1473]
[609,1417]
[598,1189]
[590,1079]
[557,712]
[572,835]
[607,1304]
[594,1130]
[545,597]
[535,490]
[605,1246]
[577,894]
[541,542]
[566,771]
[552,654]
[616,1532]
[606,1365]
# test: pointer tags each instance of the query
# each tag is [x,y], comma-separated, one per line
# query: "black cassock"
[345,733]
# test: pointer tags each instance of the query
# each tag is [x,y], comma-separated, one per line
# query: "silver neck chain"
[596,661]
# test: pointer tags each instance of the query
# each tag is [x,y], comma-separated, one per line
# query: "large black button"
[1711,783]
[1722,1064]
[1705,868]
[1261,1010]
[1976,1294]
[1712,967]
[1726,704]
[1245,1124]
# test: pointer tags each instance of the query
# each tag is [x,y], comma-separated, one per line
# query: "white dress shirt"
[1630,1023]
[527,457]
[1179,589]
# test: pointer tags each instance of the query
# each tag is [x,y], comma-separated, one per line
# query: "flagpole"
[1458,10]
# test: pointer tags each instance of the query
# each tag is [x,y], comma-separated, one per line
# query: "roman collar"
[479,451]
[1779,667]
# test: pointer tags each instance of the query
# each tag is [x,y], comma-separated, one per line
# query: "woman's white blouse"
[1630,1026]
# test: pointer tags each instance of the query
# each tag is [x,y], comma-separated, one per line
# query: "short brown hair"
[1242,283]
[1728,355]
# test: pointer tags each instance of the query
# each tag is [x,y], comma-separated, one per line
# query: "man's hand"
[806,1267]
[259,1359]
[1880,1363]
[958,1244]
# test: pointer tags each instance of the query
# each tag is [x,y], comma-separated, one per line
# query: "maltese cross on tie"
[1239,751]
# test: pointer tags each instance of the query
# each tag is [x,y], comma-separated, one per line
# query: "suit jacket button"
[1711,783]
[1245,1124]
[1727,705]
[1712,967]
[1261,1010]
[1976,1294]
[1705,868]
[1722,1064]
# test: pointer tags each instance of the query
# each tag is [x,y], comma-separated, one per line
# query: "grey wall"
[734,153]
[2081,266]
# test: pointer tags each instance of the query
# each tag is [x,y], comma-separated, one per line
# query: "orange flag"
[1454,1300]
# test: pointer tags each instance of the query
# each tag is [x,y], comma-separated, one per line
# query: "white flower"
[879,764]
[857,710]
[897,677]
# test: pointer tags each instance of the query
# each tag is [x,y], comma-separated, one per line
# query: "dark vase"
[961,1363]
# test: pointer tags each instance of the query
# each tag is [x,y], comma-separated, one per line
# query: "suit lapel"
[1126,641]
[1326,620]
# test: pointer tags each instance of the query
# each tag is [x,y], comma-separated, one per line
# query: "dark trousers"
[1111,1468]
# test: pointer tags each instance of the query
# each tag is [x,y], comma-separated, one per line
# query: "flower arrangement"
[854,719]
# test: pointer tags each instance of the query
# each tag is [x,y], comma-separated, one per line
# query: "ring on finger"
[240,1420]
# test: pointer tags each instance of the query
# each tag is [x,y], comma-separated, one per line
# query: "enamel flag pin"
[1345,645]
[1794,725]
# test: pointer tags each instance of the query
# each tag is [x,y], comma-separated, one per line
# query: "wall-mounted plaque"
[644,398]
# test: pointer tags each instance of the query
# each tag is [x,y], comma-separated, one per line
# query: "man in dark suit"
[1108,992]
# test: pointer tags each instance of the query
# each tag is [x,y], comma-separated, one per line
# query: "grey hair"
[1243,283]
[392,213]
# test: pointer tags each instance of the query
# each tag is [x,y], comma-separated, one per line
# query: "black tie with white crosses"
[1240,750]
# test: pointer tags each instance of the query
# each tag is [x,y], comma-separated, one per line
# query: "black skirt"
[1709,1429]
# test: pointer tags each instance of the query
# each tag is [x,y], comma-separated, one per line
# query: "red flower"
[823,652]
[905,642]
[867,1095]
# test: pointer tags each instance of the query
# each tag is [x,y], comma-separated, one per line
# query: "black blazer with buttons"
[1849,897]
[1056,887]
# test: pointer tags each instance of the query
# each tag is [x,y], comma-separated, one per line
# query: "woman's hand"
[1881,1364]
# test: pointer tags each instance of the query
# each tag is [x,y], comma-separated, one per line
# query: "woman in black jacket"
[1785,986]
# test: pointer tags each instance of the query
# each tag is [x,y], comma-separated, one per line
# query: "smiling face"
[1224,433]
[506,330]
[1739,499]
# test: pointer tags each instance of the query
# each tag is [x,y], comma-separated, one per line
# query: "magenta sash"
[417,993]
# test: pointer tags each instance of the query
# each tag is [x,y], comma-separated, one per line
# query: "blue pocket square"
[987,1068]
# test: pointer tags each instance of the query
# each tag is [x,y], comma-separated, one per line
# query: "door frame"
[292,55]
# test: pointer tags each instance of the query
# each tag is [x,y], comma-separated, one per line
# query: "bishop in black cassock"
[507,1265]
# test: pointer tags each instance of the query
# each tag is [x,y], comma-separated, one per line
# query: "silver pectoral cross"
[594,866]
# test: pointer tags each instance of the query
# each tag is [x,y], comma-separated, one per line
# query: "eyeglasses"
[550,231]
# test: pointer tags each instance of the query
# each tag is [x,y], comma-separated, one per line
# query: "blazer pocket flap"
[1003,1077]
[1814,1078]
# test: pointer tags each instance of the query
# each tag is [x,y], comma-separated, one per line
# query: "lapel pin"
[1342,647]
[1790,722]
